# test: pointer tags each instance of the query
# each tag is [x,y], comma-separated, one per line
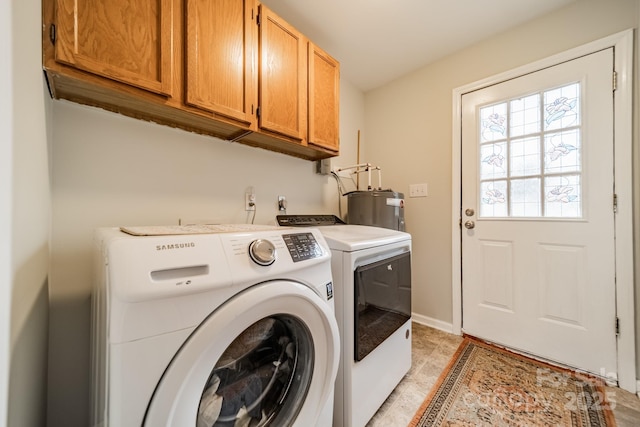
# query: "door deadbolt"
[469,225]
[469,212]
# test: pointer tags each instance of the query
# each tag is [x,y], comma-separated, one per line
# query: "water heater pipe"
[364,167]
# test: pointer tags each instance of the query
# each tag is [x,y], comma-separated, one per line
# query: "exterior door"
[538,260]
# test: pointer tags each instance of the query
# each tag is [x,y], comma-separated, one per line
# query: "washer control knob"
[262,252]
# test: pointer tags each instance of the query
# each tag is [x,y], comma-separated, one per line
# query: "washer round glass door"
[267,357]
[262,378]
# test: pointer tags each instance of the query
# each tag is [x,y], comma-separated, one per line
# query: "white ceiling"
[377,41]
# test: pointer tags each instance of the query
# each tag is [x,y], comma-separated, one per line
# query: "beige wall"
[6,168]
[409,128]
[30,220]
[110,170]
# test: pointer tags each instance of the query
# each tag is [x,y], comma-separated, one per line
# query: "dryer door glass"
[382,301]
[262,378]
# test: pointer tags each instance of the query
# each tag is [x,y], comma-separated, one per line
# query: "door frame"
[622,42]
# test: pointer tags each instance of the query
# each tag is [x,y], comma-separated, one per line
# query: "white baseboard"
[434,323]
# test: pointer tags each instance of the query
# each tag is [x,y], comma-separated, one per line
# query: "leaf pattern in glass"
[493,200]
[562,196]
[562,152]
[492,161]
[562,107]
[493,122]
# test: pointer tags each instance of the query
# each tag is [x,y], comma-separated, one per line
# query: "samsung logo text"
[175,246]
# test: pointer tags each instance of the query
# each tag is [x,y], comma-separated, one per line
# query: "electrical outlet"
[323,167]
[249,201]
[282,204]
[418,190]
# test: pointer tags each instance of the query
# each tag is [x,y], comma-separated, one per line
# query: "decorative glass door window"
[530,156]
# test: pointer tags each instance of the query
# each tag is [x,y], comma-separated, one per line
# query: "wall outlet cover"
[418,190]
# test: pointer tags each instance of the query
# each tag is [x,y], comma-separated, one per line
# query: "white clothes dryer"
[213,326]
[371,269]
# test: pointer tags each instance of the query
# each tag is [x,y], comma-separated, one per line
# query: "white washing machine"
[372,280]
[213,326]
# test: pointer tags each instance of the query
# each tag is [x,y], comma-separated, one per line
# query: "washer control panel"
[302,246]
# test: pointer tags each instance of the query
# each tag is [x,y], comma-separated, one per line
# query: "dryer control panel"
[302,246]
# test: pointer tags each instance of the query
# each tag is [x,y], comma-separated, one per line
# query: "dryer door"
[267,357]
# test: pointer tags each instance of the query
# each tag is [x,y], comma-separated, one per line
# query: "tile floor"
[432,350]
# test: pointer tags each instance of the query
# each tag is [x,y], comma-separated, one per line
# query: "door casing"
[623,129]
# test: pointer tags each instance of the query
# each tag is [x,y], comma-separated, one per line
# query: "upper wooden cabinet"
[125,40]
[324,99]
[283,77]
[220,65]
[201,65]
[299,87]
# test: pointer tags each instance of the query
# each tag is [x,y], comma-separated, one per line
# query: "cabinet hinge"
[617,326]
[258,112]
[258,19]
[615,203]
[615,81]
[52,33]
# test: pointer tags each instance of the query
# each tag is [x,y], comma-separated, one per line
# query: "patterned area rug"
[484,385]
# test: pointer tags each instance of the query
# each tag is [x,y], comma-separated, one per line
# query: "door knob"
[469,224]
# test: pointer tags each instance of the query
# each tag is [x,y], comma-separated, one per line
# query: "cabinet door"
[125,40]
[283,77]
[220,67]
[324,99]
